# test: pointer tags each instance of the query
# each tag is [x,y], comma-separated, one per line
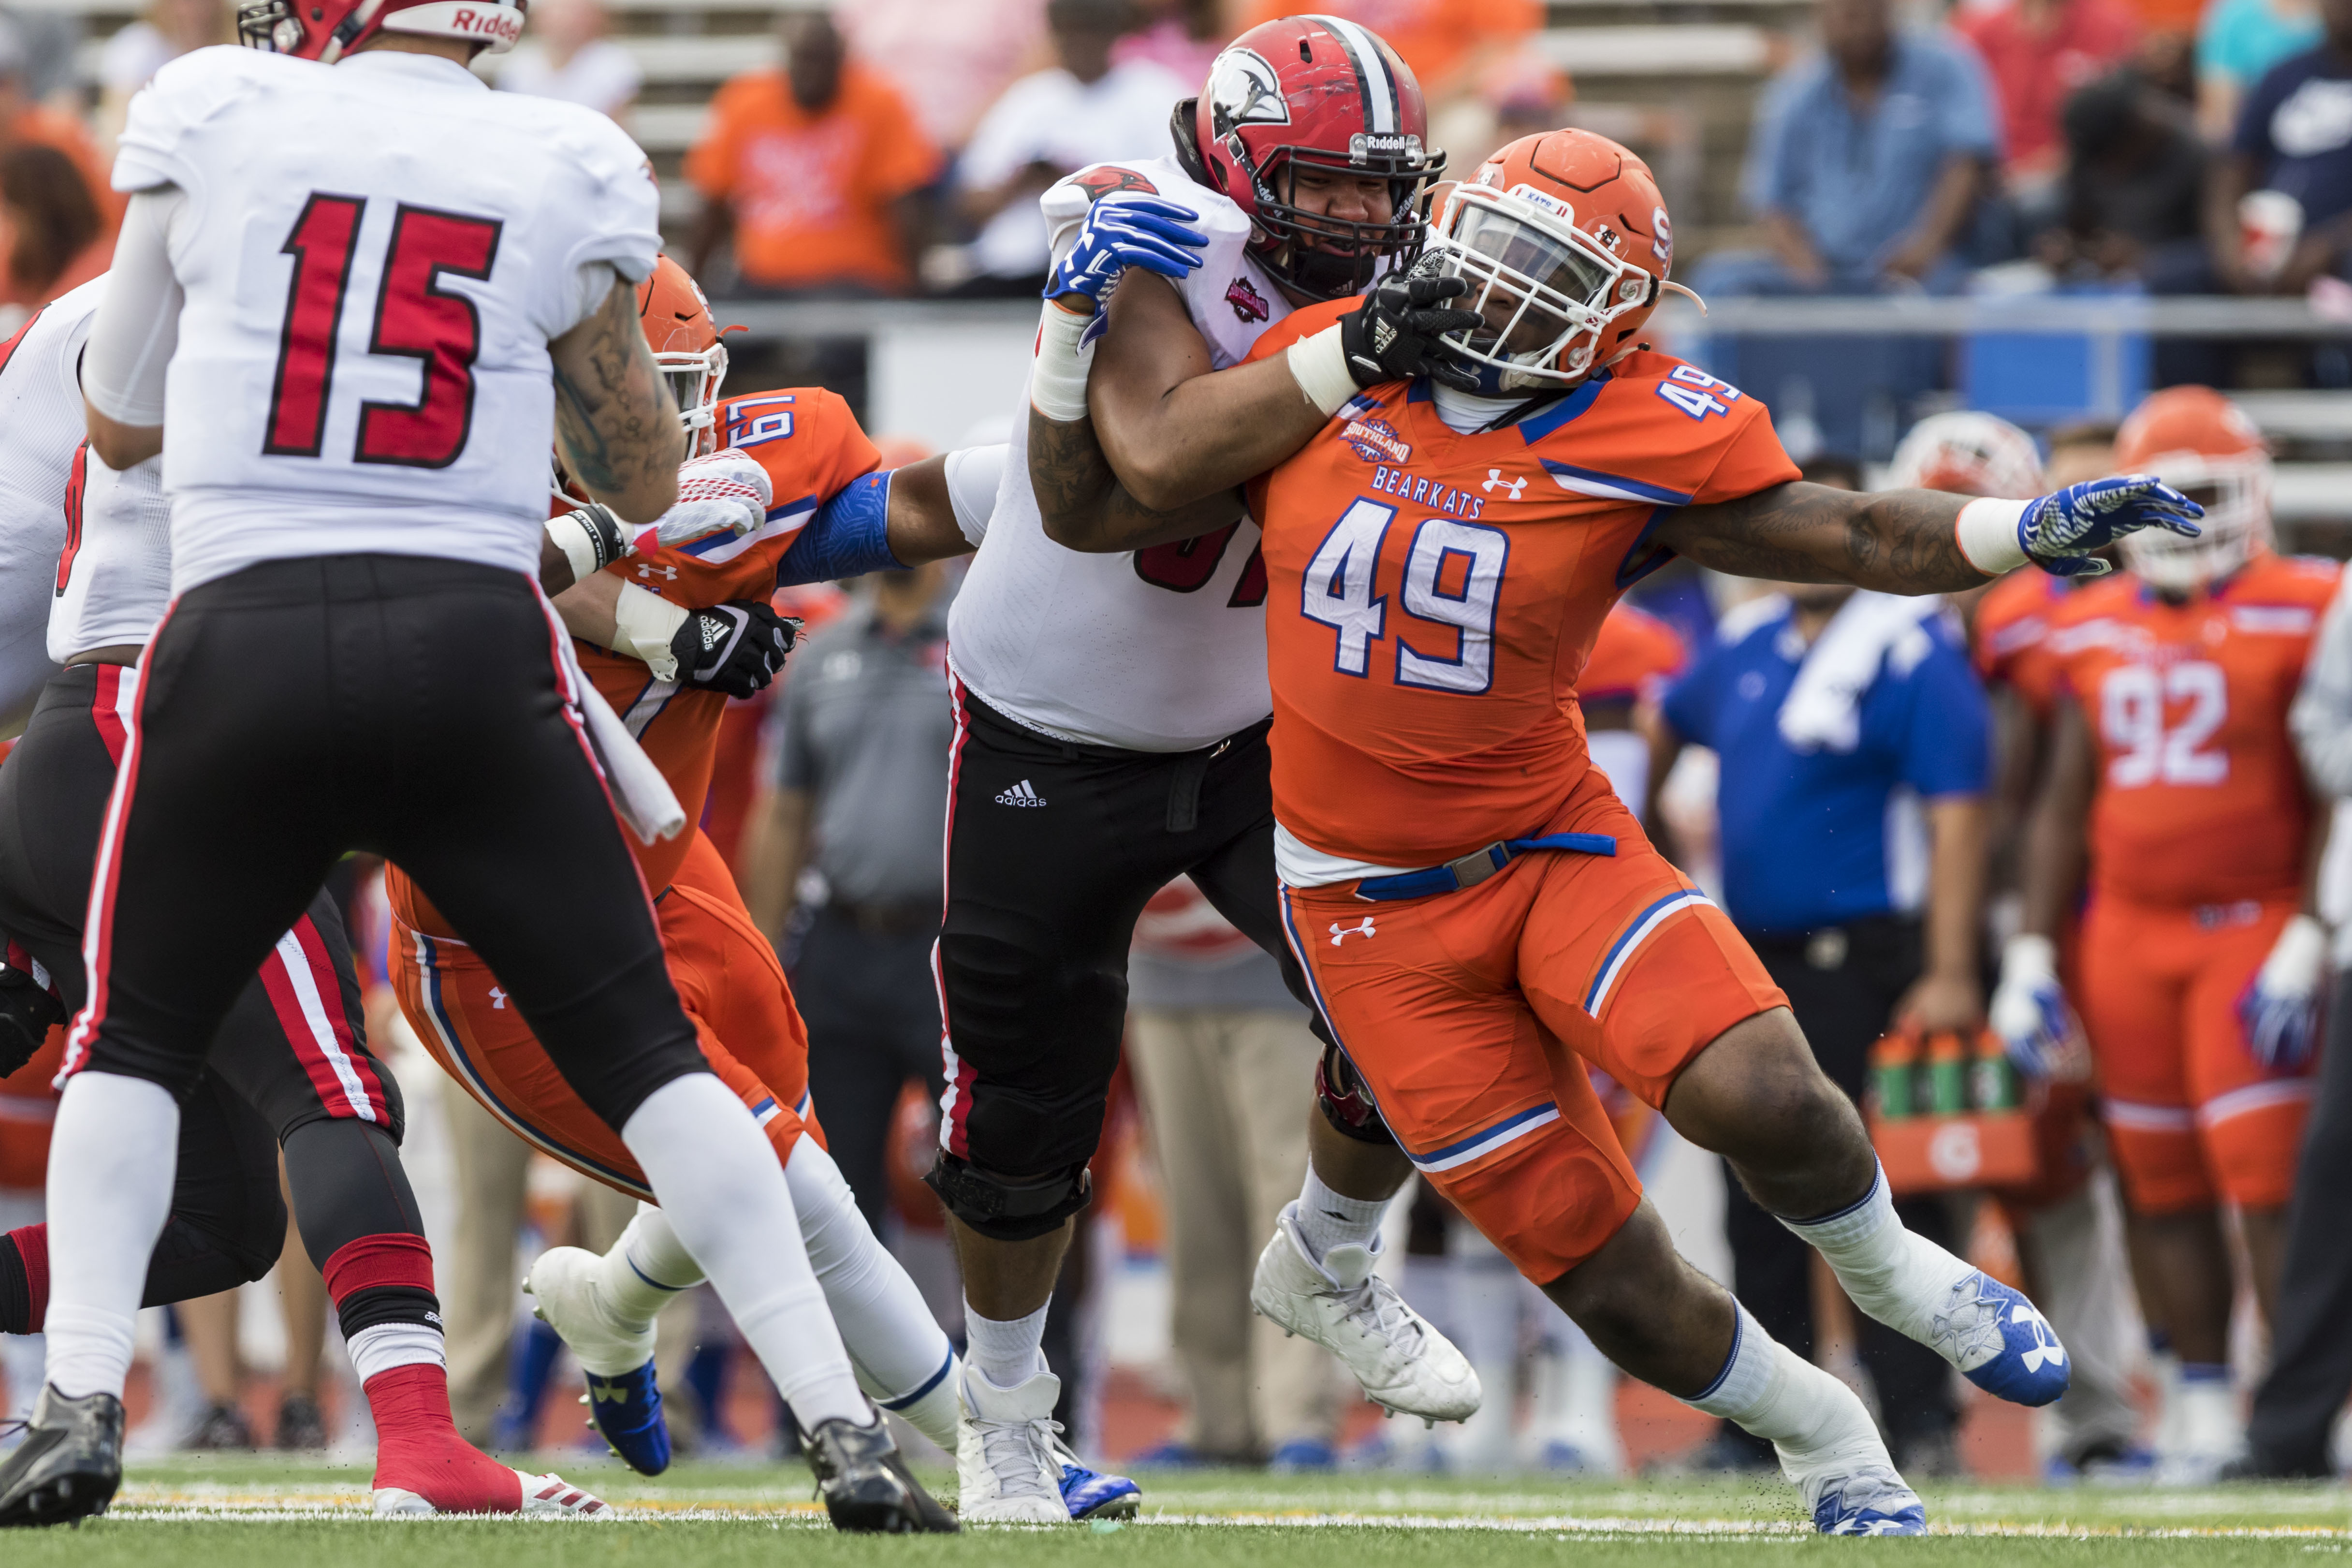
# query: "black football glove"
[27,1012]
[735,647]
[1394,335]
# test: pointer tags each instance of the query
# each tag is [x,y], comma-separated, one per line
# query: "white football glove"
[2029,1010]
[725,492]
[2280,1011]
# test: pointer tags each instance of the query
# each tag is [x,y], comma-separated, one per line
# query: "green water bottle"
[1892,1061]
[1993,1076]
[1948,1077]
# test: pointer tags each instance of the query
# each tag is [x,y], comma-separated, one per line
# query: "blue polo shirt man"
[1853,743]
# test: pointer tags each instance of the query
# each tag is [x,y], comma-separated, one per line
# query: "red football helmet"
[1564,241]
[327,30]
[1326,93]
[2201,444]
[686,350]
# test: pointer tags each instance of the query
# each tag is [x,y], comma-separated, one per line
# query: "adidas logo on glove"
[1021,794]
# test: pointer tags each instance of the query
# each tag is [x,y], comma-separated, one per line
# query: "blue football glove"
[1134,231]
[2059,531]
[2029,1009]
[2280,1011]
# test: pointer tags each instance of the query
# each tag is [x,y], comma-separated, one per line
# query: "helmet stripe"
[1372,78]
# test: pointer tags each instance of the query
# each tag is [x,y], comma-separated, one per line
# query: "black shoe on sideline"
[70,1463]
[301,1426]
[864,1481]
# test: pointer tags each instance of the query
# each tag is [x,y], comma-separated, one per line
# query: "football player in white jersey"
[351,284]
[1111,718]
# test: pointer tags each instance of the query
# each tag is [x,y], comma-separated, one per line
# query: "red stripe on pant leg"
[328,982]
[33,1252]
[105,712]
[296,1026]
[392,1257]
[960,1077]
[98,924]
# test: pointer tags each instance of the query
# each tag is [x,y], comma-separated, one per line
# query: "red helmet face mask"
[1325,94]
[327,30]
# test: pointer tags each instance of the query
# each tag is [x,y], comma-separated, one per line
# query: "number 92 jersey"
[1432,597]
[375,255]
[2201,796]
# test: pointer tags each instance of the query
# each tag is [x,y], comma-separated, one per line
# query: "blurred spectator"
[2037,52]
[2293,149]
[1181,37]
[812,168]
[1226,1065]
[164,31]
[1446,44]
[2237,42]
[949,62]
[25,120]
[1084,109]
[1865,166]
[2134,184]
[52,234]
[1526,95]
[566,55]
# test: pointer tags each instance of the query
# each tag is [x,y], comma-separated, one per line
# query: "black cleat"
[864,1481]
[68,1464]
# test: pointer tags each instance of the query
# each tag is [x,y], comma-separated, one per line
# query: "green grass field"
[252,1512]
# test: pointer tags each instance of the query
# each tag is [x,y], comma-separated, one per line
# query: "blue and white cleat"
[1869,1500]
[626,1411]
[1090,1494]
[2001,1341]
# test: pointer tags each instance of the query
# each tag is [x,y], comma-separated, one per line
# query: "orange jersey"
[1433,597]
[2011,636]
[2200,797]
[812,448]
[1634,654]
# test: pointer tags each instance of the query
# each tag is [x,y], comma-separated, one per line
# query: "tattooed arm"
[614,418]
[1899,542]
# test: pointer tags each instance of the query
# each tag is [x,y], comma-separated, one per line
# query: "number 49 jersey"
[2201,796]
[375,255]
[1432,597]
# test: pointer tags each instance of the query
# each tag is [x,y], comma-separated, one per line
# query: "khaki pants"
[1227,1094]
[479,1278]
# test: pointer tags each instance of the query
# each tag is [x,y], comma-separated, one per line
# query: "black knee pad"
[1002,1208]
[1347,1105]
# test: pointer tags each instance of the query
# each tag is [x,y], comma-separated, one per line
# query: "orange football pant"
[728,980]
[2193,1118]
[1471,1017]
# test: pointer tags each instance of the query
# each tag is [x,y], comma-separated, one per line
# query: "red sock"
[418,1449]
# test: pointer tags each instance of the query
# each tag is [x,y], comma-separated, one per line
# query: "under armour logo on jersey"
[1021,794]
[646,572]
[498,998]
[1496,481]
[1340,934]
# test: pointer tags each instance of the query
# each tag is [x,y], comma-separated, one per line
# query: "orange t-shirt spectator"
[810,166]
[2037,53]
[1442,42]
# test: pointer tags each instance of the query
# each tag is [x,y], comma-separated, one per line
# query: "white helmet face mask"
[2235,492]
[1968,453]
[694,381]
[1547,289]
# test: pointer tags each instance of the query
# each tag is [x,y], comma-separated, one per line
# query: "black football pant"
[409,705]
[290,1064]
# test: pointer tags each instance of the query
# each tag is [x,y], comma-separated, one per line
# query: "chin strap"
[1686,293]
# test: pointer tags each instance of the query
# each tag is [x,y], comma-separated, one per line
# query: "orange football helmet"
[686,348]
[1970,454]
[1564,241]
[2201,444]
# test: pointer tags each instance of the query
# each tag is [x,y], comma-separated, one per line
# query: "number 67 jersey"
[1433,597]
[363,360]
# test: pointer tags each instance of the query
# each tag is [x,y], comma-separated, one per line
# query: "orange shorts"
[728,980]
[1471,1017]
[2192,1117]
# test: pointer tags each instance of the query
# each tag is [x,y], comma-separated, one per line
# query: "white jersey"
[1156,650]
[374,256]
[41,432]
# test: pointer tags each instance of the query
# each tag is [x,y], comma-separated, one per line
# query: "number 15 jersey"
[1432,597]
[375,255]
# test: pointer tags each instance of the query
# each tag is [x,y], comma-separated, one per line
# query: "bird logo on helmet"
[1323,93]
[2201,444]
[1968,454]
[326,30]
[1544,238]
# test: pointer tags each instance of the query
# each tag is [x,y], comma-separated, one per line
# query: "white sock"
[1008,1353]
[112,1152]
[388,1345]
[1328,1219]
[1768,1389]
[1487,1313]
[901,1354]
[1898,1278]
[723,1193]
[643,1272]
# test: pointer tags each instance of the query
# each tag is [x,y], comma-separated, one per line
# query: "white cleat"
[564,1296]
[2204,1434]
[542,1496]
[1006,1469]
[1399,1361]
[1850,1486]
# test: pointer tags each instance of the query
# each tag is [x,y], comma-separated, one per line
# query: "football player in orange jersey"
[2175,794]
[665,636]
[1473,906]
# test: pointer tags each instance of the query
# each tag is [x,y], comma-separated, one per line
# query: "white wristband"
[643,622]
[1986,534]
[2027,954]
[1320,366]
[579,547]
[1057,381]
